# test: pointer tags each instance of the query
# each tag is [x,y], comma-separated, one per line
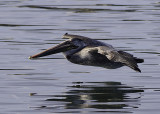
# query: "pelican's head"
[66,46]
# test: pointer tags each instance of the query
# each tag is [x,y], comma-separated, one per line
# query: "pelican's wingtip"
[137,69]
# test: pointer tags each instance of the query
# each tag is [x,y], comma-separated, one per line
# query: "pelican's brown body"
[86,51]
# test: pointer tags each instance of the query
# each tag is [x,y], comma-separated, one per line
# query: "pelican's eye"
[77,42]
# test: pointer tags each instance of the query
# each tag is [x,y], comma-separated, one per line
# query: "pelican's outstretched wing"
[119,56]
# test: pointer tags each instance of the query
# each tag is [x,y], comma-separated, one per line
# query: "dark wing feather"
[138,60]
[119,56]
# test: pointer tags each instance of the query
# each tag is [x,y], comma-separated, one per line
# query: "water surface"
[54,85]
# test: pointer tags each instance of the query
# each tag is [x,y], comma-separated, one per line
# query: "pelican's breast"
[87,56]
[80,57]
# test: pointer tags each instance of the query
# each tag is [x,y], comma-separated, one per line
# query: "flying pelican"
[86,51]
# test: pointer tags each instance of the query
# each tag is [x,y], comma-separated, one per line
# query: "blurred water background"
[54,85]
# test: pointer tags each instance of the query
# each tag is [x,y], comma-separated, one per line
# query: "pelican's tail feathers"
[129,60]
[138,60]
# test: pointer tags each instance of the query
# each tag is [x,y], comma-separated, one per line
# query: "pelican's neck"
[73,51]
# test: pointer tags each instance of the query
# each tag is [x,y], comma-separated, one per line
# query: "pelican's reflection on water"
[101,96]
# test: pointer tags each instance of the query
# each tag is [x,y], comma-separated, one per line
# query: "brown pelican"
[86,51]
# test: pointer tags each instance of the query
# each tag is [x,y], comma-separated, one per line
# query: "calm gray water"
[54,85]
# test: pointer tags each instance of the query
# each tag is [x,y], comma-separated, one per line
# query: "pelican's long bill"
[62,47]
